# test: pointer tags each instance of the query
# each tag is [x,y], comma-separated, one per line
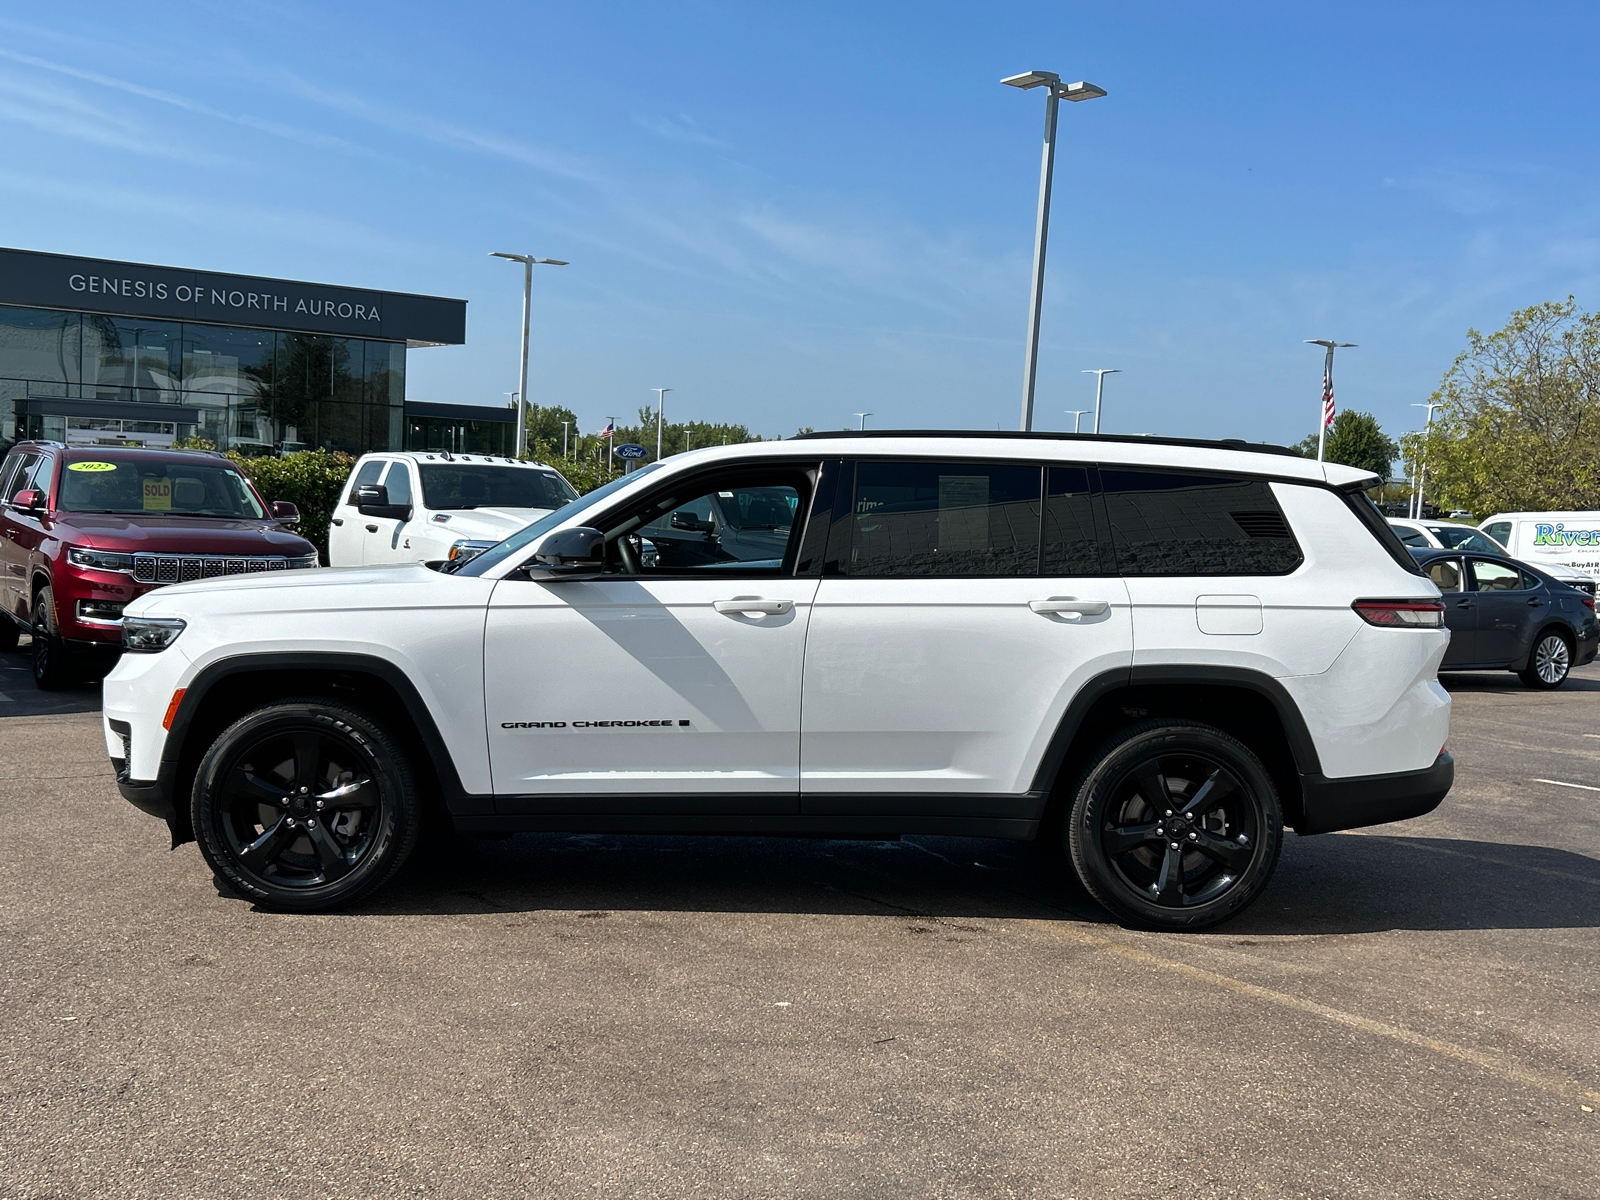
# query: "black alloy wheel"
[305,805]
[1550,662]
[51,668]
[1176,825]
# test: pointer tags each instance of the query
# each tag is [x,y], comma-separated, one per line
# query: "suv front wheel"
[305,805]
[1175,825]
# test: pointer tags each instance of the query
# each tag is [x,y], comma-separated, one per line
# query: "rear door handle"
[1535,602]
[754,604]
[1070,604]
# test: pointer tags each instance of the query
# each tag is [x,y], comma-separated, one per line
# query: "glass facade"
[459,435]
[256,391]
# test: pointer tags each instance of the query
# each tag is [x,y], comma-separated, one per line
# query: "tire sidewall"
[50,667]
[1095,791]
[399,809]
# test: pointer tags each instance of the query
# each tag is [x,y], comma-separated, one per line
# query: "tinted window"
[1071,546]
[931,518]
[1499,577]
[1446,574]
[1167,523]
[1500,531]
[369,472]
[1459,537]
[1412,537]
[468,485]
[398,481]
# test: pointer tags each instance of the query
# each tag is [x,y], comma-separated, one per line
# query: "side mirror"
[283,511]
[578,553]
[372,500]
[29,499]
[686,520]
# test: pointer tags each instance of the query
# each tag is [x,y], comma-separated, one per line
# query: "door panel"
[1460,610]
[347,534]
[391,543]
[1508,610]
[655,688]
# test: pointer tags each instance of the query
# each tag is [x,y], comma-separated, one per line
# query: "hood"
[280,590]
[491,524]
[148,533]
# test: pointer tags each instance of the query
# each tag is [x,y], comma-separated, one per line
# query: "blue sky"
[792,213]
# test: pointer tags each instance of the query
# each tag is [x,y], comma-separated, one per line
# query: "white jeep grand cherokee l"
[1157,652]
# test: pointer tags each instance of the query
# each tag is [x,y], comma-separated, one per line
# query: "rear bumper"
[1350,803]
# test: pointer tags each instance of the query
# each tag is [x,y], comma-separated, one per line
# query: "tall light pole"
[1326,411]
[1100,374]
[1077,415]
[611,445]
[661,408]
[1055,91]
[527,261]
[862,417]
[564,426]
[1422,463]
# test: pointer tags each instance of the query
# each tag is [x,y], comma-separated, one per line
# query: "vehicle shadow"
[21,697]
[1332,884]
[1582,679]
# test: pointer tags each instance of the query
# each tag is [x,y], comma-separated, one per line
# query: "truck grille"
[182,568]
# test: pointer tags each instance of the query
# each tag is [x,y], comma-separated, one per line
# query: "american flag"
[1327,392]
[609,429]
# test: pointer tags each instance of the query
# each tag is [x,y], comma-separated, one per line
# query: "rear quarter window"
[1178,523]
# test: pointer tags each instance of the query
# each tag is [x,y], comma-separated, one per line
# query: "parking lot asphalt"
[1410,1010]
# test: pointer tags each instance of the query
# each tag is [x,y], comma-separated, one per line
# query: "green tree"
[1356,440]
[1519,429]
[311,480]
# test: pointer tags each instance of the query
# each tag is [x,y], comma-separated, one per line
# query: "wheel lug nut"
[1194,837]
[1169,812]
[1174,845]
[319,803]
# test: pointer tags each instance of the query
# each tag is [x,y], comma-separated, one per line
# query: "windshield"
[462,485]
[528,534]
[132,486]
[1459,537]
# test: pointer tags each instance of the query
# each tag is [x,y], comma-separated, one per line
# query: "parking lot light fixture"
[1055,92]
[1100,374]
[862,418]
[1077,415]
[1422,463]
[661,408]
[528,261]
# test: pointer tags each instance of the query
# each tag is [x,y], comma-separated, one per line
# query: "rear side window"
[1174,523]
[1071,545]
[1446,574]
[1412,537]
[944,518]
[398,481]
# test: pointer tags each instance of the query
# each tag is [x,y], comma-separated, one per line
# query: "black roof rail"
[1142,439]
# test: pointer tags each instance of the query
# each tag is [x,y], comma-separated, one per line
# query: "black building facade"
[100,352]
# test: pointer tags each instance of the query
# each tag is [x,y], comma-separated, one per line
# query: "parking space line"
[1559,783]
[1493,1063]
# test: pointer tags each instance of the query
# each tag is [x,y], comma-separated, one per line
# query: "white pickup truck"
[433,506]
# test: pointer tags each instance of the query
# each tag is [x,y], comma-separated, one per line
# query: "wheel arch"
[1554,625]
[1248,705]
[225,690]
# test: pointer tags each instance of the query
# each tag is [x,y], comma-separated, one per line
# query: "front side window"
[451,486]
[369,472]
[746,523]
[129,486]
[1500,531]
[1499,577]
[17,474]
[944,518]
[1177,523]
[1446,574]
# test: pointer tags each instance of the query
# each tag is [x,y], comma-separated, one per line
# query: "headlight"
[464,548]
[100,560]
[146,635]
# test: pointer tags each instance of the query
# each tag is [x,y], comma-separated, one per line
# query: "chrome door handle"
[1070,604]
[754,604]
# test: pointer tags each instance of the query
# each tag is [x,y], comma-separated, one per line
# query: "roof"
[471,456]
[1177,453]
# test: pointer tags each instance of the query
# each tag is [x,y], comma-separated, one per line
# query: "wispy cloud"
[63,113]
[681,128]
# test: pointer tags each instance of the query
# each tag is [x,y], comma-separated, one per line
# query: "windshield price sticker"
[158,495]
[91,466]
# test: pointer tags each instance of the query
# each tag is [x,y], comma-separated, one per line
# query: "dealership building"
[97,352]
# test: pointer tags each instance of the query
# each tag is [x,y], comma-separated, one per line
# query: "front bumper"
[1360,800]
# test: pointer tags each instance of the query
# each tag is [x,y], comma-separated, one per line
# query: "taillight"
[1402,614]
[1588,602]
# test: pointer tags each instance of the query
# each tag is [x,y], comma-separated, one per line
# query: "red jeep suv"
[83,530]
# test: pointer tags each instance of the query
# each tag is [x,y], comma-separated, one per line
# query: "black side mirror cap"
[577,553]
[688,521]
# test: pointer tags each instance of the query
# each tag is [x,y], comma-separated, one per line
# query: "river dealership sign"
[132,289]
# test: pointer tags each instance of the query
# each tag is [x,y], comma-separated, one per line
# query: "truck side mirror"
[372,500]
[578,553]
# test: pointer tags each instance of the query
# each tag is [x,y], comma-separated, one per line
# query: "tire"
[264,791]
[51,669]
[1196,867]
[1549,662]
[10,634]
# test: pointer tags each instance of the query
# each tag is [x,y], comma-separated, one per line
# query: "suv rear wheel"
[305,805]
[1175,825]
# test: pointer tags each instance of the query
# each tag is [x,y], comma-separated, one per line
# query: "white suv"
[437,506]
[1157,653]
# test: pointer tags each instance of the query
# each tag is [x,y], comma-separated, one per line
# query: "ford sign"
[630,450]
